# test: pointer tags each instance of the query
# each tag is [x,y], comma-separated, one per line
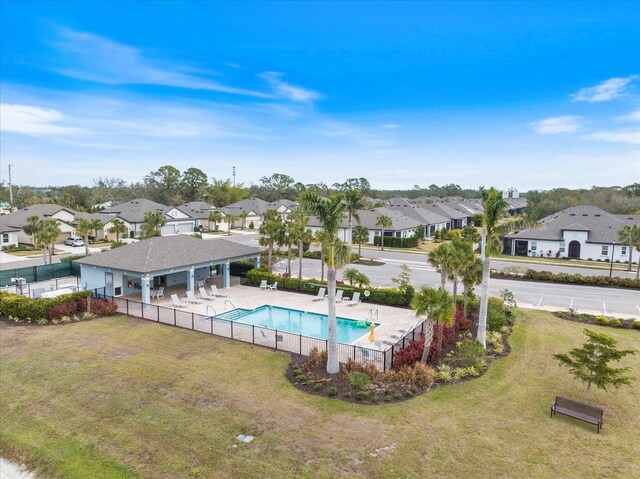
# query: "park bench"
[584,412]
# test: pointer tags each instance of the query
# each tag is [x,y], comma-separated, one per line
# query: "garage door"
[62,237]
[168,230]
[185,227]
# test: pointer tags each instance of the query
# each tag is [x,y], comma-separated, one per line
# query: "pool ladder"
[212,309]
[238,313]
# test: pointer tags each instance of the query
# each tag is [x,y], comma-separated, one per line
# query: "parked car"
[74,241]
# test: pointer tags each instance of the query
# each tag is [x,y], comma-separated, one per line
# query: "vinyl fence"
[34,274]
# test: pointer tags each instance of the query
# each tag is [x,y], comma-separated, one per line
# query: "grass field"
[122,397]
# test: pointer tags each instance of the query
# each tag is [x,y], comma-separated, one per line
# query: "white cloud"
[558,124]
[607,90]
[630,136]
[283,89]
[390,126]
[34,120]
[633,116]
[99,59]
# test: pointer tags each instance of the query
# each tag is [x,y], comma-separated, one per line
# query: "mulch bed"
[369,262]
[591,319]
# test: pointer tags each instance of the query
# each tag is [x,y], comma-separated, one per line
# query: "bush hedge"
[388,296]
[393,242]
[240,268]
[603,281]
[22,307]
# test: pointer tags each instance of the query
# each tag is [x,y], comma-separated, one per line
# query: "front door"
[521,247]
[574,249]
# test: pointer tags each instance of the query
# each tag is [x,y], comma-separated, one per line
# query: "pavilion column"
[226,272]
[146,289]
[191,284]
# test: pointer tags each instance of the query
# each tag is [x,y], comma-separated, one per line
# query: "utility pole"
[234,176]
[10,190]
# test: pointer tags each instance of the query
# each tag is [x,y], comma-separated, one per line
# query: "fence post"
[300,336]
[253,334]
[392,350]
[354,352]
[276,338]
[174,317]
[212,320]
[231,329]
[193,323]
[158,313]
[142,309]
[127,307]
[35,274]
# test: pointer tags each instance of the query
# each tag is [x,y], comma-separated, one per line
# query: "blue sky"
[530,95]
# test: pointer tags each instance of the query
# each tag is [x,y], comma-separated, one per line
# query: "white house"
[132,213]
[13,222]
[581,232]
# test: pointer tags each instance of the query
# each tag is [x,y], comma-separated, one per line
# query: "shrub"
[301,378]
[434,352]
[408,393]
[317,386]
[63,309]
[603,320]
[473,371]
[605,281]
[393,242]
[459,373]
[362,395]
[397,395]
[498,348]
[317,358]
[615,322]
[494,337]
[410,354]
[332,391]
[251,225]
[444,373]
[471,352]
[496,314]
[359,379]
[462,323]
[35,309]
[370,369]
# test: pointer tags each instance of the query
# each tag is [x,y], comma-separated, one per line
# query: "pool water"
[298,322]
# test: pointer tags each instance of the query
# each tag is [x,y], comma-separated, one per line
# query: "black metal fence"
[262,336]
[45,272]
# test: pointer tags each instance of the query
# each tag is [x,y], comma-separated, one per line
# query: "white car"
[74,241]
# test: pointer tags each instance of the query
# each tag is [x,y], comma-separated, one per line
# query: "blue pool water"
[298,322]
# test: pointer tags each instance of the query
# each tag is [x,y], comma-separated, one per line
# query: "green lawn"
[122,397]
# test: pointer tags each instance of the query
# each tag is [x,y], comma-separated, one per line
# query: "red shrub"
[446,334]
[434,353]
[104,306]
[63,309]
[410,354]
[462,323]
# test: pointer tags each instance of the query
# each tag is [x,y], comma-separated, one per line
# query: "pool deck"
[389,318]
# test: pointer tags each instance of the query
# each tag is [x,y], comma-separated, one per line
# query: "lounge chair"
[339,294]
[263,284]
[204,295]
[274,286]
[160,293]
[176,302]
[321,294]
[191,298]
[355,299]
[216,293]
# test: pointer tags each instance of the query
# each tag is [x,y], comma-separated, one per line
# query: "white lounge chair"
[355,299]
[160,293]
[216,293]
[204,295]
[176,301]
[339,294]
[264,285]
[321,294]
[274,286]
[191,298]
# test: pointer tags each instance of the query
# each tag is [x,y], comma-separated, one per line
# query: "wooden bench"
[584,412]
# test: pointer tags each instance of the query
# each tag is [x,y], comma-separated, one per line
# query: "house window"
[5,237]
[624,251]
[605,250]
[534,246]
[561,248]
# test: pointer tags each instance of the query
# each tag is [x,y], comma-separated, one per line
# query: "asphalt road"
[527,293]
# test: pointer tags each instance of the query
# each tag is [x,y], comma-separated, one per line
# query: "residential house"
[199,211]
[430,220]
[12,223]
[581,232]
[132,213]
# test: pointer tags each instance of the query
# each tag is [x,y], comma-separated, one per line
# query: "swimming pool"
[297,322]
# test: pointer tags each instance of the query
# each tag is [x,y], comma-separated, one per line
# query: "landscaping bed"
[370,262]
[599,320]
[462,358]
[566,278]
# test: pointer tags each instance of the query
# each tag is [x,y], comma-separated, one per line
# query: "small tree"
[118,227]
[215,217]
[360,235]
[231,223]
[83,228]
[96,224]
[383,222]
[590,362]
[436,305]
[358,277]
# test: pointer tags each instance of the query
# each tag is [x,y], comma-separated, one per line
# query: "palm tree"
[360,235]
[83,228]
[354,199]
[470,234]
[321,238]
[270,233]
[461,258]
[436,305]
[625,235]
[215,217]
[299,233]
[441,259]
[286,238]
[118,227]
[494,207]
[96,224]
[47,235]
[383,222]
[358,277]
[471,276]
[153,221]
[329,212]
[243,217]
[231,220]
[32,226]
[635,243]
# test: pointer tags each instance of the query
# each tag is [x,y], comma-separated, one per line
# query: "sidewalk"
[9,470]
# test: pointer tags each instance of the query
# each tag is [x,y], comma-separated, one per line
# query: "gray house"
[161,261]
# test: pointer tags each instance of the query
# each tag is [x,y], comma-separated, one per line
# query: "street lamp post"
[611,264]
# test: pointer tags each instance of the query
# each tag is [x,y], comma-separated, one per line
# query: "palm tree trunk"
[321,265]
[382,241]
[333,367]
[425,351]
[350,243]
[484,301]
[630,257]
[300,253]
[289,260]
[465,295]
[443,279]
[586,393]
[638,270]
[440,334]
[86,243]
[359,249]
[455,300]
[51,250]
[269,255]
[44,254]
